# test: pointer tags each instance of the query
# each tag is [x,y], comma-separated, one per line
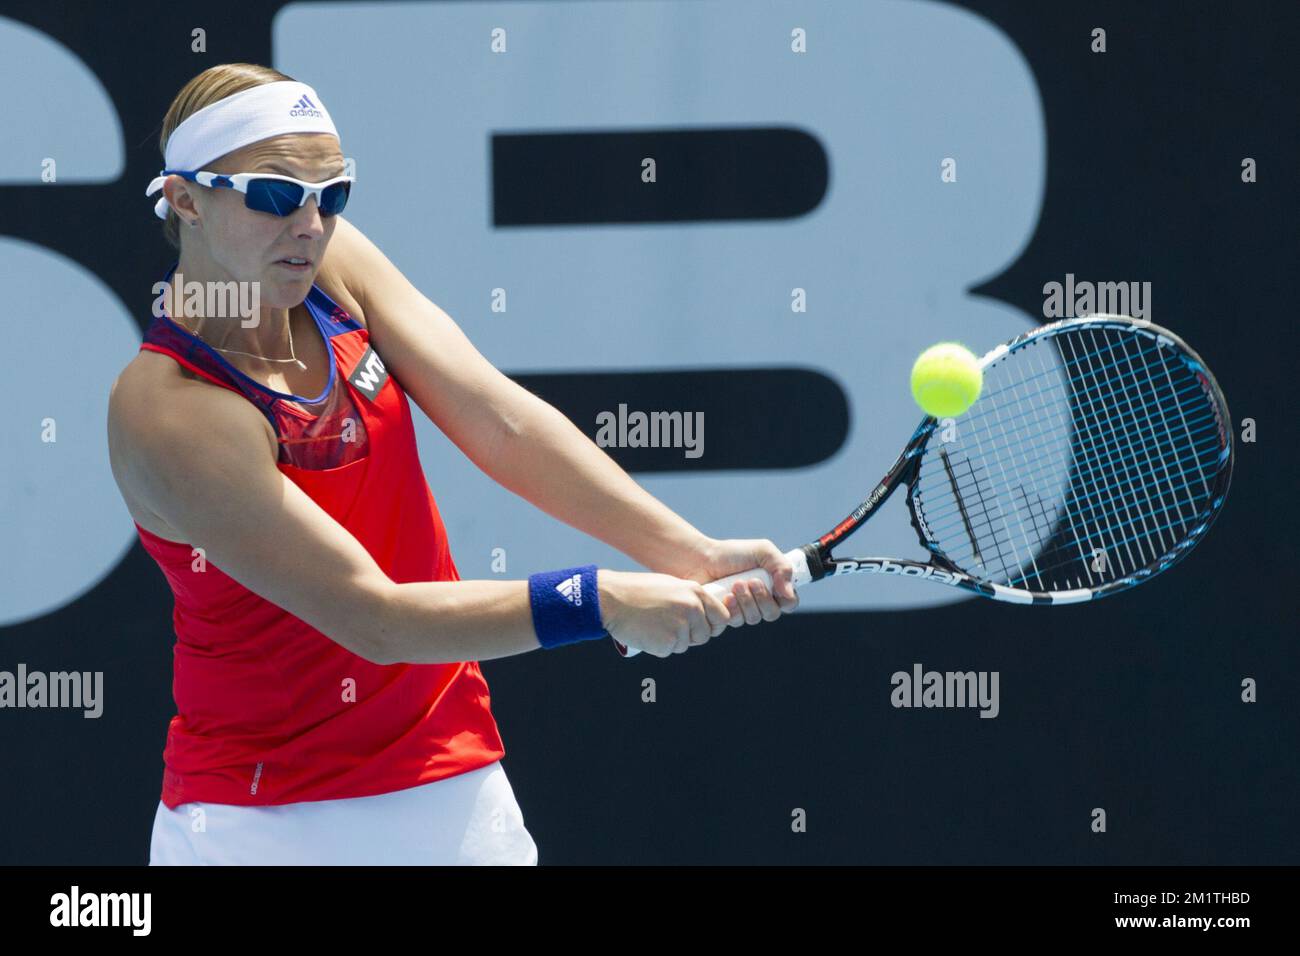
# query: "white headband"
[272,109]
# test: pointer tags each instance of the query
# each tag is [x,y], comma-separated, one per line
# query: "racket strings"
[1091,474]
[1109,355]
[1158,482]
[1202,429]
[1081,463]
[1099,465]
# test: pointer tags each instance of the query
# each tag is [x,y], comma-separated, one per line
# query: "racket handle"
[722,587]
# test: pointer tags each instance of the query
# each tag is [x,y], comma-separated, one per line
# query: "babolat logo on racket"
[369,375]
[907,570]
[571,590]
[923,525]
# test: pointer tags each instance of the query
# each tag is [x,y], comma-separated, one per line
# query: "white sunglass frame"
[239,182]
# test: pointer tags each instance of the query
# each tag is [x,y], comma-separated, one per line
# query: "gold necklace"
[292,352]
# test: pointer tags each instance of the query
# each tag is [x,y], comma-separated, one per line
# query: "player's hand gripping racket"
[1098,453]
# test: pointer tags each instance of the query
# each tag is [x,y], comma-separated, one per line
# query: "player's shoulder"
[155,403]
[152,386]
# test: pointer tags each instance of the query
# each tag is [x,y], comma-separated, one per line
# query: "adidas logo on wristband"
[571,590]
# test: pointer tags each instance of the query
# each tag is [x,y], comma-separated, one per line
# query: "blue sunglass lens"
[274,196]
[334,198]
[281,198]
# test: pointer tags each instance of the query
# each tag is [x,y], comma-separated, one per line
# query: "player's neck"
[227,313]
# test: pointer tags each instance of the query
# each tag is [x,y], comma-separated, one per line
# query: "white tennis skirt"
[466,820]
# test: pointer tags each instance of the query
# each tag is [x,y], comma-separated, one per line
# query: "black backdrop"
[1132,704]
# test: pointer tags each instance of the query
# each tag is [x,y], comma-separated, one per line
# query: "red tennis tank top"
[269,710]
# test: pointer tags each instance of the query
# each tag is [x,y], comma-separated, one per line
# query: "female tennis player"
[330,707]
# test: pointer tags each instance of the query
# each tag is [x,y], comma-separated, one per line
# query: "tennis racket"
[1097,455]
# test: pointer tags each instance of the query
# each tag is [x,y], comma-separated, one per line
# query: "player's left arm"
[520,441]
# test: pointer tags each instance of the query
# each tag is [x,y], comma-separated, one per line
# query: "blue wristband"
[566,606]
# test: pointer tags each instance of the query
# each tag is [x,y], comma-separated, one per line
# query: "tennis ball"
[946,379]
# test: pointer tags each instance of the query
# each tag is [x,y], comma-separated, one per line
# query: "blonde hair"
[212,85]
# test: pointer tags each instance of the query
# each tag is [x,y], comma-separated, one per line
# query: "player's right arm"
[203,460]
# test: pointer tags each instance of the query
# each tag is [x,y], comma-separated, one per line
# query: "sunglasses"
[278,195]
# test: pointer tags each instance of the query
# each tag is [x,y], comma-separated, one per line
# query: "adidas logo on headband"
[249,116]
[305,107]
